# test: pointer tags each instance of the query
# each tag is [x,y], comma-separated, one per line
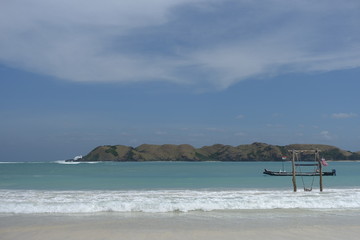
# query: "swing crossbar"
[306,164]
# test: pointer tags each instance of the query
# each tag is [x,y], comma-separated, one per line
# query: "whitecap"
[163,201]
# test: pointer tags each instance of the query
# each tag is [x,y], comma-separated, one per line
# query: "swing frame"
[296,154]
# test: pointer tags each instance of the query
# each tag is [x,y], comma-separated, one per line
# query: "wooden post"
[293,171]
[320,171]
[295,156]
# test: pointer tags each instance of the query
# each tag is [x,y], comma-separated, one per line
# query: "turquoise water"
[59,187]
[160,175]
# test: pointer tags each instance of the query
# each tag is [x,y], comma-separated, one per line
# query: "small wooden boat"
[283,173]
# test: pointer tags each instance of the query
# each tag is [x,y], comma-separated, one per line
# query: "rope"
[302,177]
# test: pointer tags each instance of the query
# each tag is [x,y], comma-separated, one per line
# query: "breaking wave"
[69,162]
[162,201]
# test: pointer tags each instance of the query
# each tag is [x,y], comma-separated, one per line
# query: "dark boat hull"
[272,173]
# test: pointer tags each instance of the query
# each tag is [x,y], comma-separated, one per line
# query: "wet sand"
[176,226]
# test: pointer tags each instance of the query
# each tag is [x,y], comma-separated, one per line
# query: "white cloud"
[127,41]
[326,135]
[343,115]
[69,39]
[240,116]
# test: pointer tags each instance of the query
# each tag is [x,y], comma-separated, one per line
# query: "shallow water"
[170,187]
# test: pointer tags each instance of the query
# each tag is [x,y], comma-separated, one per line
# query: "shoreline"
[190,161]
[69,161]
[196,225]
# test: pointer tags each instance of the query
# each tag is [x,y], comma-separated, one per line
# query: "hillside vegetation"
[217,152]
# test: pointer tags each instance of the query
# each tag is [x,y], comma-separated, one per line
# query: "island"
[218,152]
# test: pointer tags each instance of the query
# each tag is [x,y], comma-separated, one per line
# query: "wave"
[47,162]
[65,162]
[162,201]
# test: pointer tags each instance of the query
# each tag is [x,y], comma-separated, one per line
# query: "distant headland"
[218,152]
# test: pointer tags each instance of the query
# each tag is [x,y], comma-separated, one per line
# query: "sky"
[78,74]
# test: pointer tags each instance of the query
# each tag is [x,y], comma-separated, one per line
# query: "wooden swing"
[296,165]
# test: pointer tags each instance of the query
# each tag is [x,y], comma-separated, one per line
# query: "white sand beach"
[175,226]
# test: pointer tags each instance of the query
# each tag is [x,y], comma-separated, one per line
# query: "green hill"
[217,152]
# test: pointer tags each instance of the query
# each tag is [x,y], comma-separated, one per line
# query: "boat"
[296,168]
[283,173]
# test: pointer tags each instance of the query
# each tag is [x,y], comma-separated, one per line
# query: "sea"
[70,188]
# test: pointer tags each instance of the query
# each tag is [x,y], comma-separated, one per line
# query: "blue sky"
[78,74]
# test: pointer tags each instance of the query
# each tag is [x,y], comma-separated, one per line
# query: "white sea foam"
[35,201]
[78,157]
[65,162]
[72,162]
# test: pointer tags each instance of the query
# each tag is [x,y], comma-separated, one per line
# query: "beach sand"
[176,226]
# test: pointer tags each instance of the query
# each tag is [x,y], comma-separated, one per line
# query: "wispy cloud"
[161,133]
[216,43]
[240,116]
[213,129]
[343,115]
[326,135]
[240,134]
[196,135]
